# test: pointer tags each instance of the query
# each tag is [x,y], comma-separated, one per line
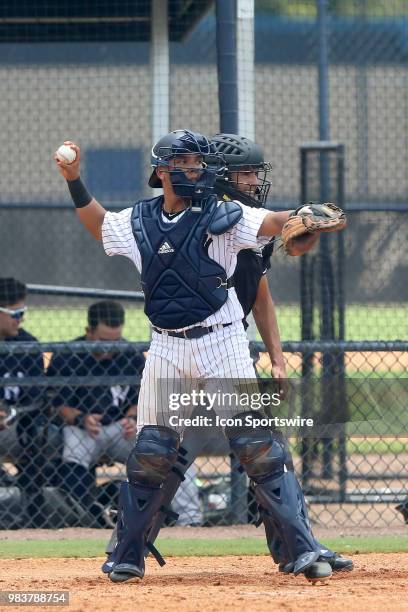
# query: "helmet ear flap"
[154,180]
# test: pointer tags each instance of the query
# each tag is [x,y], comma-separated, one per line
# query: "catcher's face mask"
[253,181]
[193,176]
[191,161]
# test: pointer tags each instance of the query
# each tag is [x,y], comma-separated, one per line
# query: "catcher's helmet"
[242,155]
[185,142]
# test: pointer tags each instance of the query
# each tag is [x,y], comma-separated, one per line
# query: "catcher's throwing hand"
[70,172]
[301,230]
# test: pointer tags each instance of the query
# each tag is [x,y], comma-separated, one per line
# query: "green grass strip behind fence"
[374,322]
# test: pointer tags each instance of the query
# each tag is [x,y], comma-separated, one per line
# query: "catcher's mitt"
[301,230]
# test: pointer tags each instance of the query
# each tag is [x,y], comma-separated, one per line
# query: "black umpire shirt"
[111,402]
[251,266]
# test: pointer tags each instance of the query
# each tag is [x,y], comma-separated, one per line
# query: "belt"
[193,333]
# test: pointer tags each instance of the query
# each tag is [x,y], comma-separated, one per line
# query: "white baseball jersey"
[221,354]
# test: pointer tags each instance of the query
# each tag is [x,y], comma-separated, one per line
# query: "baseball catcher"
[185,244]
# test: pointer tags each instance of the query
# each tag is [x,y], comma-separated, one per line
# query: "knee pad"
[153,456]
[260,451]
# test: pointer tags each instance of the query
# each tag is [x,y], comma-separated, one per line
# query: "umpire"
[247,181]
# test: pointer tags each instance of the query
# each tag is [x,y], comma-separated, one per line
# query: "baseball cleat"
[320,571]
[304,561]
[339,563]
[107,567]
[125,571]
[286,568]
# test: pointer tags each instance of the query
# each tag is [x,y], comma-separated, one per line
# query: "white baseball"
[66,154]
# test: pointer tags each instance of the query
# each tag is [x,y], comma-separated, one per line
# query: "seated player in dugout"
[187,233]
[99,421]
[21,408]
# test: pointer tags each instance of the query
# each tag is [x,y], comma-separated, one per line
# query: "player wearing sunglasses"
[17,435]
[13,294]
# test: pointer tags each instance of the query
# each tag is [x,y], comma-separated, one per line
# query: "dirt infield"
[213,584]
[389,361]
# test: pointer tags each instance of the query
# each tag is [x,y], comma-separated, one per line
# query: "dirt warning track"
[213,584]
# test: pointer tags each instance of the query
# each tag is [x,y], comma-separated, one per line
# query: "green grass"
[371,446]
[62,324]
[377,447]
[362,323]
[374,322]
[192,548]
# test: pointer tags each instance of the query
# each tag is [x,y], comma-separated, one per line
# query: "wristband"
[79,420]
[79,193]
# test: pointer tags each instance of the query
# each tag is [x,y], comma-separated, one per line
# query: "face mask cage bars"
[258,192]
[213,162]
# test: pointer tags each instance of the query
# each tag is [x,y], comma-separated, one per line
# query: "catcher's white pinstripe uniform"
[221,354]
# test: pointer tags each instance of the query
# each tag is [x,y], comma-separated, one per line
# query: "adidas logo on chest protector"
[165,248]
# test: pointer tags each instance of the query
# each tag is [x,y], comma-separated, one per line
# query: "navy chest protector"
[181,283]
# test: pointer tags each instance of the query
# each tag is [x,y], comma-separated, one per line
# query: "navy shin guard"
[325,552]
[139,505]
[192,444]
[262,453]
[280,505]
[117,532]
[169,490]
[148,466]
[275,538]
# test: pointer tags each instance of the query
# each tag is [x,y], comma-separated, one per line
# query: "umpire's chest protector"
[181,283]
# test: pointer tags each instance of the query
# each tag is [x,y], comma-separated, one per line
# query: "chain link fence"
[90,78]
[66,434]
